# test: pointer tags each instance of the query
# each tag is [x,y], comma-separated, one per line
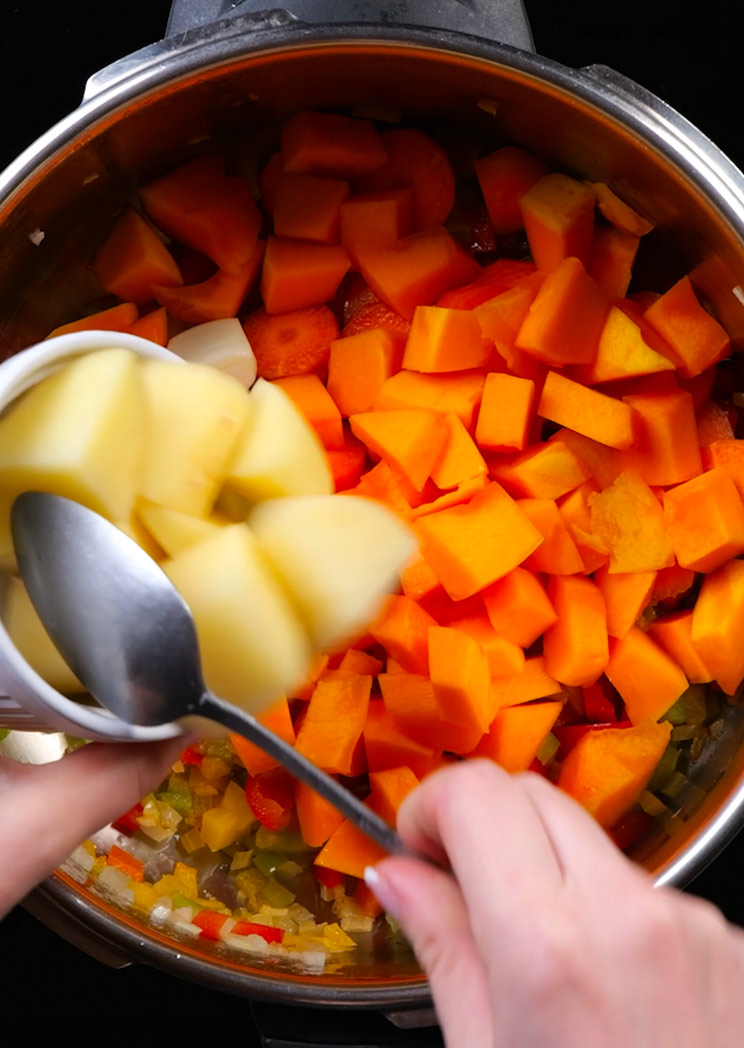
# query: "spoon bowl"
[130,638]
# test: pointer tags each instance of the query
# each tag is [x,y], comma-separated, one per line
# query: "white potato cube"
[220,343]
[175,531]
[197,416]
[33,642]
[253,646]
[338,555]
[280,453]
[81,433]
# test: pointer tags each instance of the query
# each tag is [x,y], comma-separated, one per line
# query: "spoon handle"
[344,800]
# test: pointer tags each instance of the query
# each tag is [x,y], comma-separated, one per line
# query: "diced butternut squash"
[333,724]
[309,207]
[380,217]
[695,338]
[630,522]
[519,608]
[411,440]
[460,459]
[442,340]
[532,682]
[317,817]
[623,352]
[576,646]
[517,734]
[504,177]
[595,415]
[626,595]
[648,680]
[704,518]
[506,413]
[359,366]
[312,398]
[674,634]
[543,471]
[330,145]
[558,553]
[299,273]
[718,622]
[558,218]
[458,393]
[278,719]
[461,678]
[133,258]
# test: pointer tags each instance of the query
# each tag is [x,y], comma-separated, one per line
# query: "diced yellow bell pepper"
[145,895]
[187,876]
[234,800]
[219,828]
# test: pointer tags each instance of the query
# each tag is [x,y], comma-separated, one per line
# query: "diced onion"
[221,344]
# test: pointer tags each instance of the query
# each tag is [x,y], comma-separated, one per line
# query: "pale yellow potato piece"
[338,555]
[233,506]
[29,636]
[81,433]
[136,530]
[253,645]
[175,531]
[197,415]
[280,453]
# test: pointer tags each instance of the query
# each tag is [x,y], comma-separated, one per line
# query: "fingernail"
[380,886]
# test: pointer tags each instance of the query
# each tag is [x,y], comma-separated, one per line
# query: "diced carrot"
[387,746]
[503,655]
[504,177]
[461,678]
[618,213]
[519,608]
[718,625]
[373,316]
[602,418]
[299,273]
[416,270]
[272,171]
[624,350]
[388,790]
[403,631]
[359,365]
[330,145]
[611,257]
[672,583]
[517,734]
[212,212]
[493,280]
[458,393]
[349,851]
[317,405]
[576,646]
[153,326]
[704,518]
[117,318]
[648,680]
[460,459]
[317,817]
[607,769]
[443,340]
[334,722]
[727,455]
[380,218]
[456,497]
[470,546]
[355,661]
[416,160]
[308,207]
[629,521]
[626,595]
[674,635]
[557,554]
[277,719]
[546,470]
[133,258]
[695,338]
[501,316]
[506,413]
[410,439]
[532,682]
[347,464]
[293,343]
[666,449]
[714,423]
[574,508]
[411,703]
[558,217]
[566,318]
[122,860]
[218,297]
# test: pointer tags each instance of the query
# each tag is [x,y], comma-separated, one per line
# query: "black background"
[687,52]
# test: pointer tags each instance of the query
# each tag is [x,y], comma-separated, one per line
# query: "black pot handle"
[504,21]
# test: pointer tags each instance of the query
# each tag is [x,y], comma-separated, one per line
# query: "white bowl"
[27,702]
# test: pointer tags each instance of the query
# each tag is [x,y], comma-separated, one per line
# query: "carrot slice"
[299,273]
[117,318]
[506,413]
[216,298]
[674,634]
[315,402]
[558,217]
[576,646]
[133,258]
[504,177]
[718,625]
[294,343]
[375,315]
[335,718]
[648,680]
[416,160]
[277,719]
[309,207]
[212,212]
[470,546]
[517,734]
[331,145]
[411,439]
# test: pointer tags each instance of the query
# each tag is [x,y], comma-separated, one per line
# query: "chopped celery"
[690,708]
[181,802]
[250,882]
[548,749]
[664,768]
[180,900]
[222,748]
[287,841]
[241,860]
[268,862]
[651,804]
[684,732]
[275,894]
[674,784]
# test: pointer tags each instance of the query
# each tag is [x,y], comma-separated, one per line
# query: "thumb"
[429,906]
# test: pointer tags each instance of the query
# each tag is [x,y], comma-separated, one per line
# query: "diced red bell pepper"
[271,798]
[598,703]
[192,756]
[127,823]
[210,922]
[569,734]
[329,878]
[630,828]
[264,930]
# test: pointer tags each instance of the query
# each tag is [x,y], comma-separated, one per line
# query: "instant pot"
[231,71]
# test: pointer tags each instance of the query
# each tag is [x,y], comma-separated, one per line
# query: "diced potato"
[175,531]
[136,530]
[253,645]
[81,433]
[197,415]
[280,453]
[233,506]
[29,636]
[338,556]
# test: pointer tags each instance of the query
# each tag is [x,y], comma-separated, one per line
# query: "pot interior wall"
[76,193]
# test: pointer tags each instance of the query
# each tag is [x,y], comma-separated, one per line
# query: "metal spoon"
[128,635]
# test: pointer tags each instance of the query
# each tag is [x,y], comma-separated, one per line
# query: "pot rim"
[626,104]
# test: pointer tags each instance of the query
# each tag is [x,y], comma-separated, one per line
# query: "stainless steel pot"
[230,82]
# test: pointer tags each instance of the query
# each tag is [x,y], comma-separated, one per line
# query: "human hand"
[46,810]
[546,933]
